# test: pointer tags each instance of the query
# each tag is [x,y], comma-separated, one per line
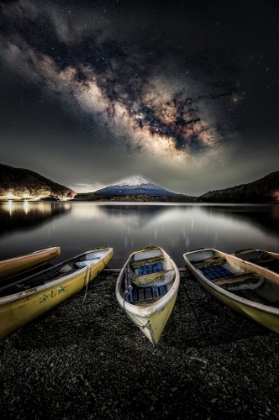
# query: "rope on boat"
[87,283]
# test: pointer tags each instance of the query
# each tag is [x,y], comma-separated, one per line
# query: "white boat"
[248,288]
[147,288]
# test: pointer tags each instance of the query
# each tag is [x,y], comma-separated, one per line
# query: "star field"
[184,94]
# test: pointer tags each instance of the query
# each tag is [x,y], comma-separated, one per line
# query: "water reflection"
[177,228]
[25,215]
[265,217]
[134,215]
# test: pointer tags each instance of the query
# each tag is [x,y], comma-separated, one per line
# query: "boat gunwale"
[246,251]
[30,254]
[147,311]
[52,283]
[264,308]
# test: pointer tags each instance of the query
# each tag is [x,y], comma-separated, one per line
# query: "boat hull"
[265,315]
[150,318]
[268,320]
[24,262]
[153,326]
[21,308]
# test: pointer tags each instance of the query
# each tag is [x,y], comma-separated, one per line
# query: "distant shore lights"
[26,197]
[11,196]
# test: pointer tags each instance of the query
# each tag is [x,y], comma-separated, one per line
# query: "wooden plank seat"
[208,262]
[148,279]
[137,263]
[242,281]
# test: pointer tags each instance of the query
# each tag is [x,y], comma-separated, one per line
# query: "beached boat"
[24,262]
[249,289]
[147,288]
[266,259]
[25,299]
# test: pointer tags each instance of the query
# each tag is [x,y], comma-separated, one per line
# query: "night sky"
[184,93]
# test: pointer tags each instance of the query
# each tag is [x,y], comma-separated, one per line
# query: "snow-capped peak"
[134,185]
[133,181]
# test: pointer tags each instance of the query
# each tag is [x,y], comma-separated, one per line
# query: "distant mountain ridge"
[19,184]
[135,185]
[138,188]
[23,183]
[264,190]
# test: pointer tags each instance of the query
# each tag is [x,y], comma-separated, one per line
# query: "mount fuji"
[135,185]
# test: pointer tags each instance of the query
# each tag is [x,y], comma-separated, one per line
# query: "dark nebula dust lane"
[175,82]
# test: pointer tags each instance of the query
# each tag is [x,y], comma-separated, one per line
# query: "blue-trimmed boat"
[147,288]
[242,285]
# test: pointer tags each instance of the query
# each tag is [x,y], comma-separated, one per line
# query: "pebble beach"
[85,359]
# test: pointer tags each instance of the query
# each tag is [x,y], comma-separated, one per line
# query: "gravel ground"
[89,361]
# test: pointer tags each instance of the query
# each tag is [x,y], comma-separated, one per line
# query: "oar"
[26,283]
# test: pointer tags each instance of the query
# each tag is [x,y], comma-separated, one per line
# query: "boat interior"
[249,285]
[260,257]
[148,277]
[33,278]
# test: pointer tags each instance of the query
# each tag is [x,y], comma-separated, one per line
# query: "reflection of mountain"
[264,217]
[137,215]
[24,216]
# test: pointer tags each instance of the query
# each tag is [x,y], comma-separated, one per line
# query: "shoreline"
[89,361]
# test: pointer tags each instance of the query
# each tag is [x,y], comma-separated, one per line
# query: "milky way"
[121,85]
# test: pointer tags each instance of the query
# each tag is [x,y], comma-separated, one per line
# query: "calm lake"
[80,226]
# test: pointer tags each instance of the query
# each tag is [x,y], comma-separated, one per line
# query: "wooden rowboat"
[147,288]
[24,262]
[25,299]
[266,259]
[249,289]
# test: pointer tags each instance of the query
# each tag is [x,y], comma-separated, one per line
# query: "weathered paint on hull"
[154,325]
[28,306]
[264,318]
[24,262]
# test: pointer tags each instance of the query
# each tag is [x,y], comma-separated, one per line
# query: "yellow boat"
[266,259]
[26,299]
[248,288]
[147,288]
[24,262]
